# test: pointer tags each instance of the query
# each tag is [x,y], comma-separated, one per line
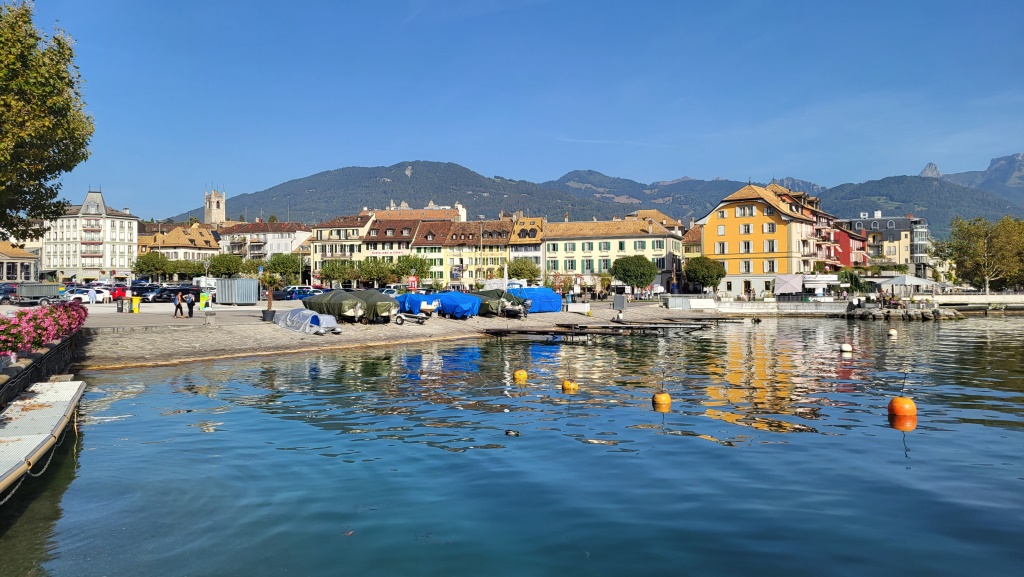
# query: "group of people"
[188,300]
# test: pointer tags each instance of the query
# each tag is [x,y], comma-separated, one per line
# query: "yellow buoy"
[846,347]
[661,408]
[520,376]
[570,387]
[661,401]
[903,406]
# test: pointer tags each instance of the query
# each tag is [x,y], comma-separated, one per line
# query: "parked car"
[5,294]
[391,292]
[167,294]
[82,295]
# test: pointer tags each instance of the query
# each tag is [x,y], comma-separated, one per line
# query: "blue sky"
[249,94]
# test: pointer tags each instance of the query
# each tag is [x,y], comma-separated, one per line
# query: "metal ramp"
[31,425]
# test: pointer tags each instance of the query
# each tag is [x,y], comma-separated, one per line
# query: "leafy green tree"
[251,267]
[273,218]
[225,265]
[985,252]
[375,271]
[339,270]
[635,271]
[523,268]
[704,271]
[152,264]
[405,264]
[286,265]
[44,129]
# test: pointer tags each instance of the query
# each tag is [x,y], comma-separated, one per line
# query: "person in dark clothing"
[190,300]
[178,313]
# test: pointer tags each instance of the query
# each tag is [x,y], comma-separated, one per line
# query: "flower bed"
[31,328]
[37,342]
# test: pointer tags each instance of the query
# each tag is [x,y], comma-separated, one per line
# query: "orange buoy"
[570,387]
[661,401]
[520,376]
[905,423]
[662,407]
[903,406]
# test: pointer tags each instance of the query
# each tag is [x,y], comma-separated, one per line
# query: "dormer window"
[389,232]
[373,232]
[470,236]
[406,231]
[430,236]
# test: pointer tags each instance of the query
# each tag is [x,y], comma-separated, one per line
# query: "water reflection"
[775,377]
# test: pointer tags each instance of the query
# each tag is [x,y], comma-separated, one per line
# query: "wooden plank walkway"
[31,425]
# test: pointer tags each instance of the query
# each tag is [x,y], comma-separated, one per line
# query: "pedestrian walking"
[178,313]
[92,296]
[190,300]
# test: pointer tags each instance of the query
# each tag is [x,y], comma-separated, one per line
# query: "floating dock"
[31,425]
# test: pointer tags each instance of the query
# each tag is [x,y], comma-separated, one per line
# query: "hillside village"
[757,233]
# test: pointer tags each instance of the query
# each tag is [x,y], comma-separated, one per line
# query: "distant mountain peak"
[671,182]
[931,171]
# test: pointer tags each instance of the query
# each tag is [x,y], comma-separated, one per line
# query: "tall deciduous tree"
[704,271]
[152,264]
[985,252]
[635,271]
[405,264]
[375,271]
[44,129]
[339,270]
[523,268]
[225,265]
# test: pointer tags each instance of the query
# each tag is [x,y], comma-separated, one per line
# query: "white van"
[297,287]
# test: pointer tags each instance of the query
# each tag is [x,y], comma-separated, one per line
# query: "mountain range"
[588,194]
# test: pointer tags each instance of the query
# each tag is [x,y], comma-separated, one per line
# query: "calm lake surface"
[776,459]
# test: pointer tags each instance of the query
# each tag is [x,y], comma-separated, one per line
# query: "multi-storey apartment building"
[388,239]
[527,239]
[340,238]
[90,241]
[902,240]
[431,237]
[261,240]
[756,235]
[586,249]
[478,250]
[195,242]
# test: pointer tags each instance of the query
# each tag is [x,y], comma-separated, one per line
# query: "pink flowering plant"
[33,327]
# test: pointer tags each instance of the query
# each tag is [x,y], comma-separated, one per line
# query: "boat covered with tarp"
[379,306]
[338,303]
[544,300]
[306,321]
[511,305]
[503,295]
[457,305]
[416,303]
[488,305]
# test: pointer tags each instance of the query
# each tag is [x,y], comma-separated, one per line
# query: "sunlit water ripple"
[776,458]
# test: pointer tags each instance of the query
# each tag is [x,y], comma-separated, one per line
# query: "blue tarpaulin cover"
[410,302]
[544,299]
[456,304]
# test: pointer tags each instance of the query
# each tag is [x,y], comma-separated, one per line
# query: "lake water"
[776,459]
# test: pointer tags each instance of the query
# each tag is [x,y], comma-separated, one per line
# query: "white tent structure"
[906,283]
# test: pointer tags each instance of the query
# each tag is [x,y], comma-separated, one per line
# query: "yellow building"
[338,239]
[585,249]
[478,250]
[756,235]
[429,243]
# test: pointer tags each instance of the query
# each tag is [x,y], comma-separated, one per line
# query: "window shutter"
[764,266]
[737,209]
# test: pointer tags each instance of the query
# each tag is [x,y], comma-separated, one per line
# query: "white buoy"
[846,347]
[893,333]
[846,355]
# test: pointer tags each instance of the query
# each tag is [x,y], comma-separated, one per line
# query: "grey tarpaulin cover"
[305,321]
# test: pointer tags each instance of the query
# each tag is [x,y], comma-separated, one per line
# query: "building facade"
[261,240]
[91,241]
[895,240]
